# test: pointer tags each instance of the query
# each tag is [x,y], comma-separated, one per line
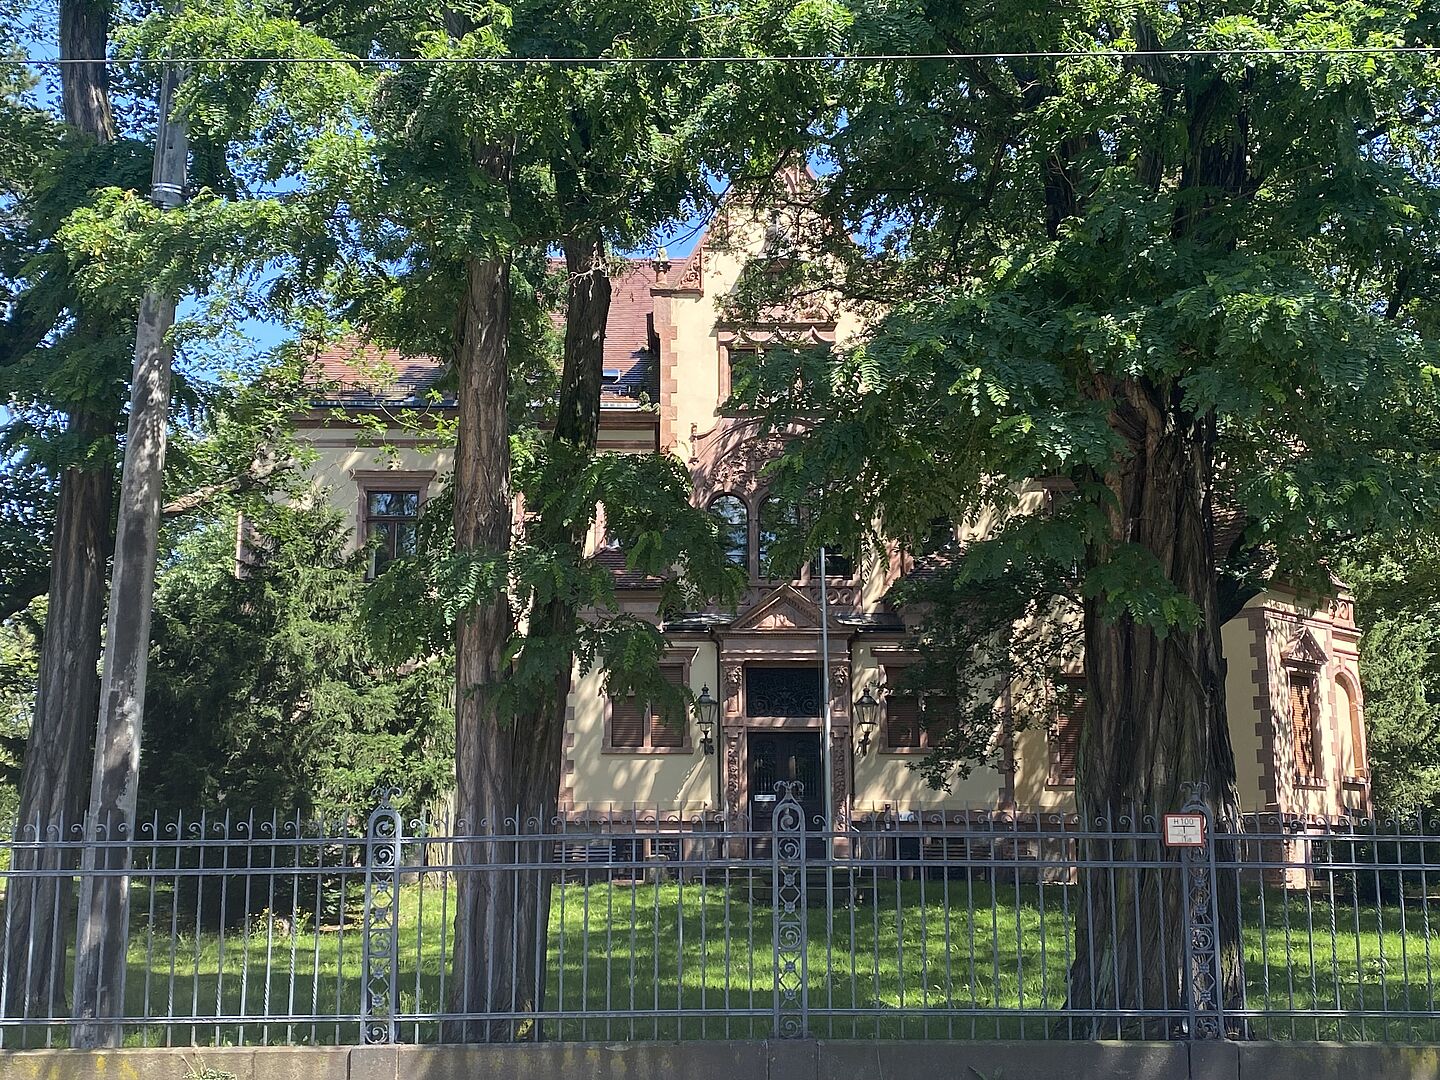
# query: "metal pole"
[99,992]
[825,740]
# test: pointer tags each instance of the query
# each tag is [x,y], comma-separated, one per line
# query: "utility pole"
[99,992]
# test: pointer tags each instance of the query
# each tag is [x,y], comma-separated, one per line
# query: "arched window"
[1352,735]
[734,521]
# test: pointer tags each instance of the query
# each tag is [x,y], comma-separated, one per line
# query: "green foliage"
[262,692]
[410,609]
[20,635]
[1052,253]
[1397,590]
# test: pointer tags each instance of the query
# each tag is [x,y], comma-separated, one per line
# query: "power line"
[833,58]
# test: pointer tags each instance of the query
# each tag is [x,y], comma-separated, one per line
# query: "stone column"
[733,737]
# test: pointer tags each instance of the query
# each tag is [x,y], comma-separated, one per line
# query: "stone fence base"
[798,1060]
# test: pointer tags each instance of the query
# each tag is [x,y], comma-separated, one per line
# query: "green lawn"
[698,959]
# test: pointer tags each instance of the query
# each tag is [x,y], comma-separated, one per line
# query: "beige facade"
[1292,690]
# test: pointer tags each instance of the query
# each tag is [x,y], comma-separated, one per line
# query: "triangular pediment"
[784,609]
[1303,649]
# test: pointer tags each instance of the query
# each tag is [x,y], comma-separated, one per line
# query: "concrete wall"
[797,1060]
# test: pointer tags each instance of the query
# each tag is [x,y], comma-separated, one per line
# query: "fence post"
[379,943]
[792,992]
[1202,975]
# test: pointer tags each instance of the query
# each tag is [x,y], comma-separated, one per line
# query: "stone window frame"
[754,501]
[749,510]
[1315,778]
[890,671]
[733,339]
[368,481]
[1359,746]
[685,659]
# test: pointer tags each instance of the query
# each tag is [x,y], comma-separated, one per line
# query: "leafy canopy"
[1246,245]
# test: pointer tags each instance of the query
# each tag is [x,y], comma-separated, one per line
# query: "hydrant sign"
[1184,830]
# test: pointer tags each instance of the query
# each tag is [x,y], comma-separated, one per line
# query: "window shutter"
[902,722]
[1064,749]
[939,715]
[1302,693]
[671,733]
[1065,738]
[627,723]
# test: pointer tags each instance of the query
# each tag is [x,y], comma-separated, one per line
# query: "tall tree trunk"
[499,962]
[102,932]
[483,980]
[540,731]
[85,88]
[1155,719]
[57,752]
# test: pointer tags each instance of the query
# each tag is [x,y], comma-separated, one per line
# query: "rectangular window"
[903,729]
[642,726]
[391,518]
[1065,731]
[913,718]
[1305,722]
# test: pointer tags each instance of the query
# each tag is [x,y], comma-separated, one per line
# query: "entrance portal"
[777,756]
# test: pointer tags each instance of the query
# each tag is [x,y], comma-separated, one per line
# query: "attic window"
[611,375]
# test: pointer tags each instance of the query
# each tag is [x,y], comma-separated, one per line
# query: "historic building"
[1293,691]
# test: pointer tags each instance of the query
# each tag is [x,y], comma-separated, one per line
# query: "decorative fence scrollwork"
[1202,939]
[380,945]
[792,1000]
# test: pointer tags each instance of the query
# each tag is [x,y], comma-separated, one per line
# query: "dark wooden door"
[789,756]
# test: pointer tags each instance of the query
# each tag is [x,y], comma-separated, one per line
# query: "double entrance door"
[791,756]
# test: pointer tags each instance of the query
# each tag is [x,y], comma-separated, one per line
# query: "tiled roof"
[613,559]
[359,374]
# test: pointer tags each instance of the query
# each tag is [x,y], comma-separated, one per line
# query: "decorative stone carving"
[692,278]
[740,468]
[785,608]
[732,772]
[840,778]
[730,676]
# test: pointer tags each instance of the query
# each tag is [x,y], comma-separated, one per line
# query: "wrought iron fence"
[932,924]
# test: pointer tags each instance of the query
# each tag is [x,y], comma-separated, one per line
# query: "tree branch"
[260,472]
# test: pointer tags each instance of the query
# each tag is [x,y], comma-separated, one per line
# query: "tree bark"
[483,982]
[57,753]
[511,768]
[102,932]
[1155,721]
[539,745]
[85,88]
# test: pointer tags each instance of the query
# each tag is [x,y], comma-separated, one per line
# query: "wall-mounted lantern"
[867,718]
[706,709]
